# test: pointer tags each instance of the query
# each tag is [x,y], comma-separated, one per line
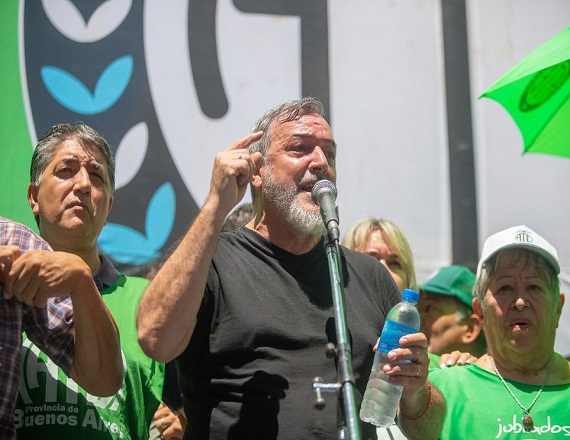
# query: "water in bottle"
[381,398]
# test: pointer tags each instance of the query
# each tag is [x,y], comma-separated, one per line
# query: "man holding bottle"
[257,303]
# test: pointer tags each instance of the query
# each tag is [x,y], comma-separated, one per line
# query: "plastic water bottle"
[381,398]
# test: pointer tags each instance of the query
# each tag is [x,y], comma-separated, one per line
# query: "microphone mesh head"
[323,186]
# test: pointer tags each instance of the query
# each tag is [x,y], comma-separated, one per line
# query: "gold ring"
[419,370]
[162,425]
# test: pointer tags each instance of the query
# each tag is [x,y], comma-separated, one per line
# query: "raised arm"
[167,312]
[38,275]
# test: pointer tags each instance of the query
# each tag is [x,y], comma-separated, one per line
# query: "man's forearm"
[97,364]
[167,312]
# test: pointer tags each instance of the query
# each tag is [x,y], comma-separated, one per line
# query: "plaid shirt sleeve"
[50,328]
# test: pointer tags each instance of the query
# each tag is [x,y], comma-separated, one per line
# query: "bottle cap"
[410,295]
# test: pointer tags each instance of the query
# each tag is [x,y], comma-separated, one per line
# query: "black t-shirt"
[260,339]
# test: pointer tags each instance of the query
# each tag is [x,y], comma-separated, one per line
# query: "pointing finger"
[246,141]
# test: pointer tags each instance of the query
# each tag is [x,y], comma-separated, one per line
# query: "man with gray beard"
[247,313]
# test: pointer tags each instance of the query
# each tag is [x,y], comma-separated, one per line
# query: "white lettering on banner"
[71,391]
[91,420]
[516,428]
[21,420]
[35,363]
[110,403]
[45,407]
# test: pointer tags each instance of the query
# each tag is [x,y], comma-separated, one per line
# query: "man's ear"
[33,198]
[256,180]
[257,185]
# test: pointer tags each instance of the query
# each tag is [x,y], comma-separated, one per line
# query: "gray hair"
[51,140]
[49,143]
[490,267]
[286,112]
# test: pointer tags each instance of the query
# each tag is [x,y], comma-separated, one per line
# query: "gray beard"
[307,223]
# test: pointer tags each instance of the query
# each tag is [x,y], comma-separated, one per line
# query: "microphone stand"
[345,384]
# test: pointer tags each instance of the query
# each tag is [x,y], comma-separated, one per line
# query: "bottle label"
[391,334]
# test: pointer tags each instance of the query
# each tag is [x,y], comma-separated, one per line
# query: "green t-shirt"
[51,405]
[480,407]
[434,360]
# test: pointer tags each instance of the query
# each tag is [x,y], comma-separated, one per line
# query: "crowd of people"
[236,317]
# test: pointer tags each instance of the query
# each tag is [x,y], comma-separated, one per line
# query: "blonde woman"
[384,241]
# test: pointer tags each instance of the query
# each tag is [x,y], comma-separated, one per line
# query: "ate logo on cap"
[523,236]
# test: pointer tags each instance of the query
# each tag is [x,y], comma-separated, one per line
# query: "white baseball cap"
[518,237]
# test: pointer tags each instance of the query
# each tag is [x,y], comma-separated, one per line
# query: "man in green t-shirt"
[71,194]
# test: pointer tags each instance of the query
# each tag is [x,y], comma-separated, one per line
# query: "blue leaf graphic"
[160,215]
[125,245]
[74,95]
[65,88]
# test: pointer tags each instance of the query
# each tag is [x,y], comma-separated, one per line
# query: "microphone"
[324,195]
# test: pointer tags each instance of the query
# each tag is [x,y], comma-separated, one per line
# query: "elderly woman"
[521,387]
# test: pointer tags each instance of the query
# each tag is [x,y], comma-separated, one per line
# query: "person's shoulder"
[434,360]
[241,238]
[135,281]
[438,375]
[130,285]
[363,262]
[359,257]
[18,234]
[14,225]
[231,235]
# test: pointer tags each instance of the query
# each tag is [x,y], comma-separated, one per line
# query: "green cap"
[456,281]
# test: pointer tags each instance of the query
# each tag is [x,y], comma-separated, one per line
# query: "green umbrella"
[535,92]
